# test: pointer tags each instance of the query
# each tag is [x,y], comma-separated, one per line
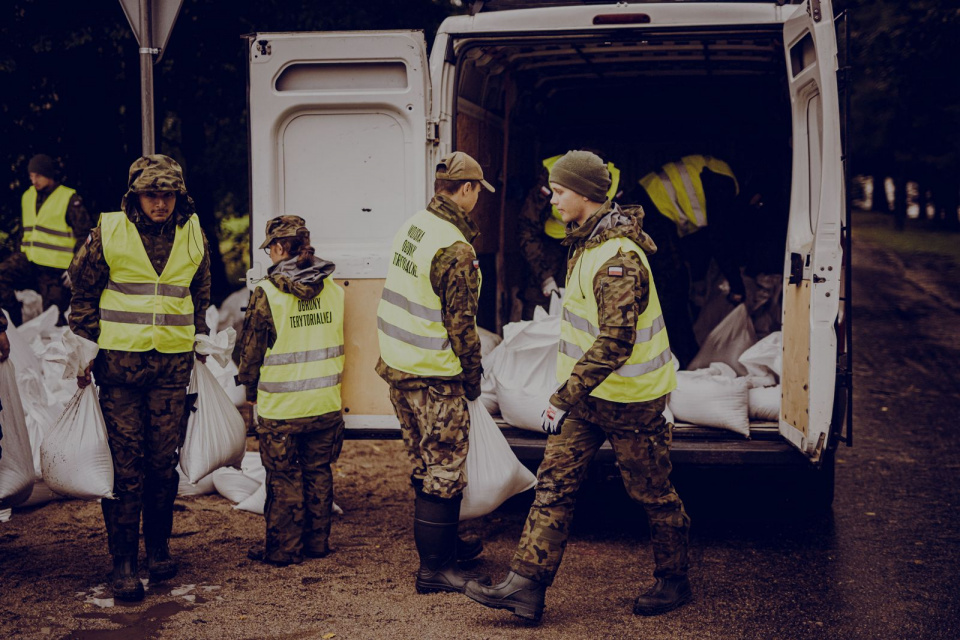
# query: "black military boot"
[666,595]
[467,548]
[159,563]
[522,596]
[435,532]
[126,583]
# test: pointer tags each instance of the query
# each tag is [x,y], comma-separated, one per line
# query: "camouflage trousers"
[434,426]
[16,272]
[299,485]
[145,427]
[643,454]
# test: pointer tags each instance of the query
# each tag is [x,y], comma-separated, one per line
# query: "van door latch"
[433,132]
[817,279]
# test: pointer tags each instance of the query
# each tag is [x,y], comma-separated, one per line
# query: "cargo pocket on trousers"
[447,414]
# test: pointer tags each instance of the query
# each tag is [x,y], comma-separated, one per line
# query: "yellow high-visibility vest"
[139,310]
[554,226]
[301,372]
[677,190]
[47,238]
[410,326]
[648,374]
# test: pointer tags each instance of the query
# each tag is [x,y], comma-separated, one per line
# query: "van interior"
[641,99]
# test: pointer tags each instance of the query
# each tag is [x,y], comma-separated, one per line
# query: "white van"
[346,128]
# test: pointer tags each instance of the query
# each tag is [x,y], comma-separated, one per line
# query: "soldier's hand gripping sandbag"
[493,471]
[216,433]
[553,418]
[75,456]
[16,460]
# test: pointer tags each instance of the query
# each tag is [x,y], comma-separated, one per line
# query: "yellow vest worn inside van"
[139,310]
[409,318]
[553,226]
[648,374]
[302,371]
[677,190]
[47,238]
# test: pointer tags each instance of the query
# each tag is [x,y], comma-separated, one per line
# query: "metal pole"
[146,77]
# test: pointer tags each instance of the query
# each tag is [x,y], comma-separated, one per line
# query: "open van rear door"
[812,295]
[338,136]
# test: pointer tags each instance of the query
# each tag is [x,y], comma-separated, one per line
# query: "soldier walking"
[615,369]
[141,288]
[430,357]
[291,361]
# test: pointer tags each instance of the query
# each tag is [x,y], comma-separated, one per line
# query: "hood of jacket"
[610,221]
[305,283]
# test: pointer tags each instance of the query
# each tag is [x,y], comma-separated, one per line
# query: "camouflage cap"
[460,166]
[283,227]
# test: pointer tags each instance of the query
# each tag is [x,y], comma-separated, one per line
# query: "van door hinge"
[433,132]
[814,10]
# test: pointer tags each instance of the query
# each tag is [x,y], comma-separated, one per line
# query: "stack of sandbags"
[712,397]
[727,342]
[764,363]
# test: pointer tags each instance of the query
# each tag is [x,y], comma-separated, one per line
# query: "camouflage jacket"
[259,334]
[454,279]
[545,256]
[90,273]
[620,299]
[77,217]
[3,323]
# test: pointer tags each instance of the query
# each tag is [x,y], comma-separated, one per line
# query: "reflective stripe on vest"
[47,238]
[554,226]
[677,190]
[648,374]
[302,371]
[139,310]
[410,326]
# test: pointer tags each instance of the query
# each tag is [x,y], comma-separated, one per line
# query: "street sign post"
[151,22]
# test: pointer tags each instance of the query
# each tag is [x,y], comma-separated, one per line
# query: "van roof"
[476,6]
[537,16]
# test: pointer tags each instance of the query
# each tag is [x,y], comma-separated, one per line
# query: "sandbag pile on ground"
[17,473]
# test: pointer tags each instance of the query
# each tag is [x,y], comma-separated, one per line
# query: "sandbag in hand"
[552,419]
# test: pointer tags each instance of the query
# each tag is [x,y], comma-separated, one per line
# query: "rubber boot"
[522,596]
[159,563]
[435,532]
[467,548]
[126,583]
[666,595]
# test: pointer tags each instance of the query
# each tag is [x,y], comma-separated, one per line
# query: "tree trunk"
[878,201]
[900,202]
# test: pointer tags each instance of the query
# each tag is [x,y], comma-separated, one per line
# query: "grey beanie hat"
[583,172]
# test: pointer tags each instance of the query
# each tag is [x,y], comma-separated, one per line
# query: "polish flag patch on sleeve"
[476,264]
[616,272]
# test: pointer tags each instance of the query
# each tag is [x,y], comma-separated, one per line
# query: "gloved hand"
[65,279]
[549,286]
[552,419]
[472,391]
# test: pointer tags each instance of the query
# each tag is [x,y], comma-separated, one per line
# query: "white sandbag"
[488,341]
[31,304]
[493,471]
[234,485]
[5,514]
[219,348]
[255,502]
[488,394]
[216,434]
[765,357]
[202,488]
[17,474]
[525,371]
[232,310]
[667,414]
[41,326]
[711,401]
[75,456]
[765,403]
[226,378]
[40,494]
[727,342]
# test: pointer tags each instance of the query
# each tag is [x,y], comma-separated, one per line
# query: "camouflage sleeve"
[532,237]
[3,323]
[88,275]
[200,290]
[257,335]
[453,275]
[620,301]
[79,220]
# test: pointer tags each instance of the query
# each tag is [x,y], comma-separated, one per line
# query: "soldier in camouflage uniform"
[631,414]
[143,390]
[432,374]
[20,272]
[296,451]
[545,257]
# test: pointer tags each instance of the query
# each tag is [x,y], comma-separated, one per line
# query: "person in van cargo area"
[291,361]
[150,256]
[430,357]
[541,232]
[54,225]
[615,371]
[683,192]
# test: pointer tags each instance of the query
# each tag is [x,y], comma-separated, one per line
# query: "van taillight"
[621,18]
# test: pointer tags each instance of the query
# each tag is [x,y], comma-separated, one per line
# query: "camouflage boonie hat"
[154,173]
[283,227]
